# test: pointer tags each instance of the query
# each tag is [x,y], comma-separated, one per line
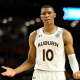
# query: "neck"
[49,29]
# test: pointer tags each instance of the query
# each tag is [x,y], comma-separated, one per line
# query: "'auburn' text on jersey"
[50,53]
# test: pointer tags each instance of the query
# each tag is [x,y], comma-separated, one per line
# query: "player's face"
[47,15]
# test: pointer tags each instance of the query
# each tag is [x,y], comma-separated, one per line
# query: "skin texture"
[47,16]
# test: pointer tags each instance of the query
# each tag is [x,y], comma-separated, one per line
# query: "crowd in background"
[13,34]
[13,60]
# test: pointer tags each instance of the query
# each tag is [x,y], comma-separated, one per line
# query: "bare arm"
[31,56]
[28,63]
[68,40]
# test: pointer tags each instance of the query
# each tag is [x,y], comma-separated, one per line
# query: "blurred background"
[18,18]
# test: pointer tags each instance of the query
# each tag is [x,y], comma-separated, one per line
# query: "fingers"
[9,72]
[7,68]
[76,75]
[4,67]
[5,74]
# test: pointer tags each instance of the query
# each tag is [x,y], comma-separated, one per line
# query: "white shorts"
[48,75]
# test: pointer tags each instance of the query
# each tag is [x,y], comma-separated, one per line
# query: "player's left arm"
[68,41]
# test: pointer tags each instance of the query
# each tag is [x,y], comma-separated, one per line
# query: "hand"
[9,72]
[76,75]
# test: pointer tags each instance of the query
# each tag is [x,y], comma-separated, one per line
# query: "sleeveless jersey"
[50,52]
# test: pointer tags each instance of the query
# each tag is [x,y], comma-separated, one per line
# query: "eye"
[49,13]
[43,13]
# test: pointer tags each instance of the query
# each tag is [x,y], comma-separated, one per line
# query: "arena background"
[18,18]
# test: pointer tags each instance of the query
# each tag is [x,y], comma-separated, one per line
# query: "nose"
[47,15]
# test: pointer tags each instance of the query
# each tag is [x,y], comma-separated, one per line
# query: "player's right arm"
[28,63]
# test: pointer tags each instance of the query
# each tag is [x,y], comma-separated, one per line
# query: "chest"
[48,41]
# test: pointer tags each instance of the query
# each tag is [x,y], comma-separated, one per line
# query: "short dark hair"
[48,6]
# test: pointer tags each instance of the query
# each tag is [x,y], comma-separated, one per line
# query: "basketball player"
[47,51]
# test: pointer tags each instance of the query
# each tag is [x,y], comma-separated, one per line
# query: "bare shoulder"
[66,32]
[33,34]
[67,37]
[32,37]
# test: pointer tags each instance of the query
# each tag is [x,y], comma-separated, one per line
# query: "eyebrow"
[47,11]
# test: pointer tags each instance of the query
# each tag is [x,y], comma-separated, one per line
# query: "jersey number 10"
[46,55]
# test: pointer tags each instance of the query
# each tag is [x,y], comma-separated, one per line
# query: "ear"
[54,15]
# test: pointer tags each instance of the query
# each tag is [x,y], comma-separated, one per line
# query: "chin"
[48,23]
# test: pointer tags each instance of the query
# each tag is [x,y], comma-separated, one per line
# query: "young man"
[47,51]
